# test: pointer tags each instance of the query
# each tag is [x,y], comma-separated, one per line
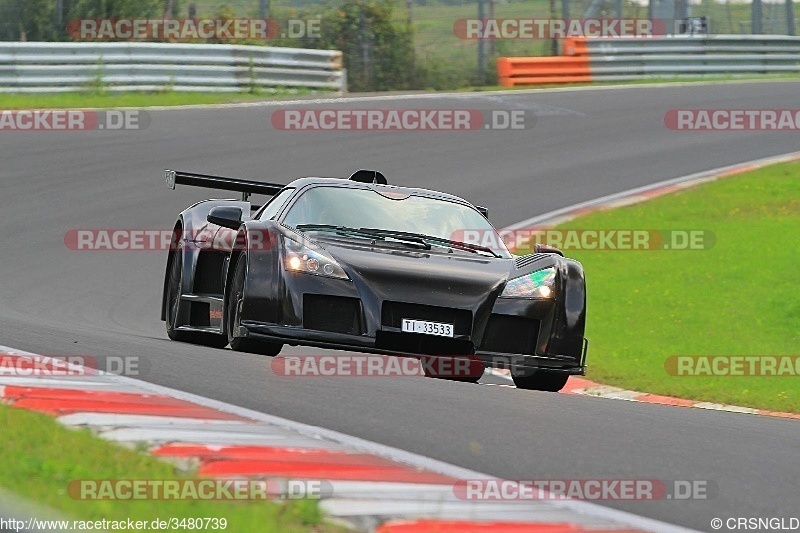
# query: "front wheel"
[543,380]
[233,308]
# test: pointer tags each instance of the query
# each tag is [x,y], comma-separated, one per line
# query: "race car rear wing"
[246,187]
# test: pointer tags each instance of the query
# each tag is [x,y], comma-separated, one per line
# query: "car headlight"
[539,284]
[299,257]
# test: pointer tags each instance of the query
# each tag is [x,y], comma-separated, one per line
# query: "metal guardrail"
[632,58]
[58,67]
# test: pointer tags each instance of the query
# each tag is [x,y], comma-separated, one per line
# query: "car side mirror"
[225,216]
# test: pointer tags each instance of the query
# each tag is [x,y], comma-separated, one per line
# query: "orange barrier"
[574,46]
[513,71]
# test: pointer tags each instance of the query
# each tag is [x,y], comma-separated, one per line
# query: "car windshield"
[365,208]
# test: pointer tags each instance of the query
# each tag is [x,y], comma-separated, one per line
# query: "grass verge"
[43,457]
[86,100]
[77,100]
[740,297]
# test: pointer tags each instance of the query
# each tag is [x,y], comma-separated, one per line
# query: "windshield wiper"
[365,232]
[416,238]
[323,227]
[474,248]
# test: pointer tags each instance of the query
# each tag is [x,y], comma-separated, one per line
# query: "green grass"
[87,100]
[77,100]
[436,44]
[645,81]
[449,62]
[452,62]
[740,297]
[43,457]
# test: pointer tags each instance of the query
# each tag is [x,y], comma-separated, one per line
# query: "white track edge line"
[450,94]
[577,506]
[697,176]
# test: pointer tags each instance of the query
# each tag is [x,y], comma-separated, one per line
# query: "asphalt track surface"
[584,144]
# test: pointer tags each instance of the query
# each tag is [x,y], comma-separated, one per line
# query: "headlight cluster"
[299,257]
[539,284]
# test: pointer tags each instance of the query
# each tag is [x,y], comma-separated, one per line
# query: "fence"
[52,67]
[623,59]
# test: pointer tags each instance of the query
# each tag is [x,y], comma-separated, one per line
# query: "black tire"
[233,298]
[542,380]
[171,310]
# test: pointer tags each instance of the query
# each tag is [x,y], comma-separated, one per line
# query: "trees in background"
[45,20]
[32,20]
[378,49]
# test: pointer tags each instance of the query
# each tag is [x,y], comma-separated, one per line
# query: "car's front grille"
[422,344]
[336,314]
[393,313]
[511,334]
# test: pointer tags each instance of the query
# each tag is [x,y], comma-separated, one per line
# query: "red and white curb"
[582,386]
[373,487]
[589,388]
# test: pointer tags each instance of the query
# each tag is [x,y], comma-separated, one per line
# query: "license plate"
[427,328]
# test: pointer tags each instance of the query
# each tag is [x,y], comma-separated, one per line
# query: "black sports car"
[357,264]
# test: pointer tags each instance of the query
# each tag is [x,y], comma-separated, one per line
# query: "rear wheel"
[233,307]
[171,302]
[543,380]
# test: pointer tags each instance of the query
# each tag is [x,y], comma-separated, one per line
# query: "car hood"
[433,277]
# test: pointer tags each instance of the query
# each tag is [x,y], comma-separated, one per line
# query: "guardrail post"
[791,24]
[755,16]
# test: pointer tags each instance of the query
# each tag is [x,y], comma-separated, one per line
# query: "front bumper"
[298,336]
[365,312]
